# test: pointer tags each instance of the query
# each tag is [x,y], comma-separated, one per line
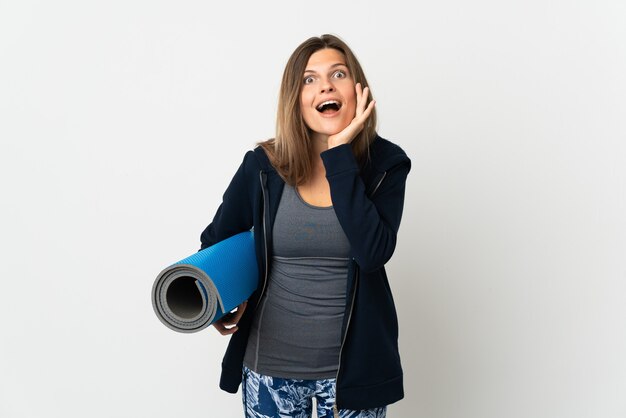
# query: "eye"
[340,74]
[308,79]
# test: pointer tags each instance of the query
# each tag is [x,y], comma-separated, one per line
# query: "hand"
[230,320]
[362,113]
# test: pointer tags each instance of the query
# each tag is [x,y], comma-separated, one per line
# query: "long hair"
[291,150]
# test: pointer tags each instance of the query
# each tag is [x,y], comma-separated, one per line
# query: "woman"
[325,199]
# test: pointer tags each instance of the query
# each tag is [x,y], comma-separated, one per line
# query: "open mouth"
[329,106]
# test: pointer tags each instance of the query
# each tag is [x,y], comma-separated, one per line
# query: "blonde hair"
[291,150]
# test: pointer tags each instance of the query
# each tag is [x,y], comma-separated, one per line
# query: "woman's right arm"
[234,215]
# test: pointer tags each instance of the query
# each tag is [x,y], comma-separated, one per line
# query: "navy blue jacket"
[368,200]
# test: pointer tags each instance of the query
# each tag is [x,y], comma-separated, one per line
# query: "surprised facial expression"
[328,97]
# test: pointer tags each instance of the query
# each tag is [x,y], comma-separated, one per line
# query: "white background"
[122,122]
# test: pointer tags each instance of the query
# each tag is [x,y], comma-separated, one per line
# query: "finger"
[233,317]
[360,119]
[358,88]
[359,91]
[223,330]
[369,109]
[362,102]
[229,331]
[240,309]
[228,320]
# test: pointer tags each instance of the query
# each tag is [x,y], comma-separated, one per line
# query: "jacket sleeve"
[371,224]
[235,213]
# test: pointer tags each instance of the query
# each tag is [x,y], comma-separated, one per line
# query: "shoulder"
[385,155]
[256,160]
[260,158]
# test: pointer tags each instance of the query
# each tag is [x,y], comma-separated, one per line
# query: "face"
[328,98]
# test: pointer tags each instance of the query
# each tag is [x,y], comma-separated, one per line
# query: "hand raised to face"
[363,111]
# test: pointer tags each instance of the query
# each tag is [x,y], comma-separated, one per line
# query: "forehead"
[325,58]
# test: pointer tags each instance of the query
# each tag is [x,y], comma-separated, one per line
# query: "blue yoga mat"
[191,294]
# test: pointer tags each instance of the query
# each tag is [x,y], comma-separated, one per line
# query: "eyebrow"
[339,64]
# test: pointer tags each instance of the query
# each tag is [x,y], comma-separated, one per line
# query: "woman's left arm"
[370,222]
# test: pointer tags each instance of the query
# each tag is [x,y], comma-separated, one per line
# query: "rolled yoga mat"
[191,294]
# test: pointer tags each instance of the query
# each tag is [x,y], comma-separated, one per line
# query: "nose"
[327,86]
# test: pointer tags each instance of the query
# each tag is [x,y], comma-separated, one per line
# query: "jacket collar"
[263,160]
[384,155]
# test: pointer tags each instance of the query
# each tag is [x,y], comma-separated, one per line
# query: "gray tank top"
[296,332]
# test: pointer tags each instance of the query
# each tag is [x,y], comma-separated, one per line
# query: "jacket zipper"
[356,282]
[343,340]
[378,184]
[262,178]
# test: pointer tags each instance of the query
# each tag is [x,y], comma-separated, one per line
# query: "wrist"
[334,142]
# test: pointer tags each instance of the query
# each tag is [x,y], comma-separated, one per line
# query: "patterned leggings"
[271,397]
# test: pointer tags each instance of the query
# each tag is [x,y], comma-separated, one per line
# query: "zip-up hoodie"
[368,200]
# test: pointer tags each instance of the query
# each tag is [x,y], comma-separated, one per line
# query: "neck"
[320,143]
